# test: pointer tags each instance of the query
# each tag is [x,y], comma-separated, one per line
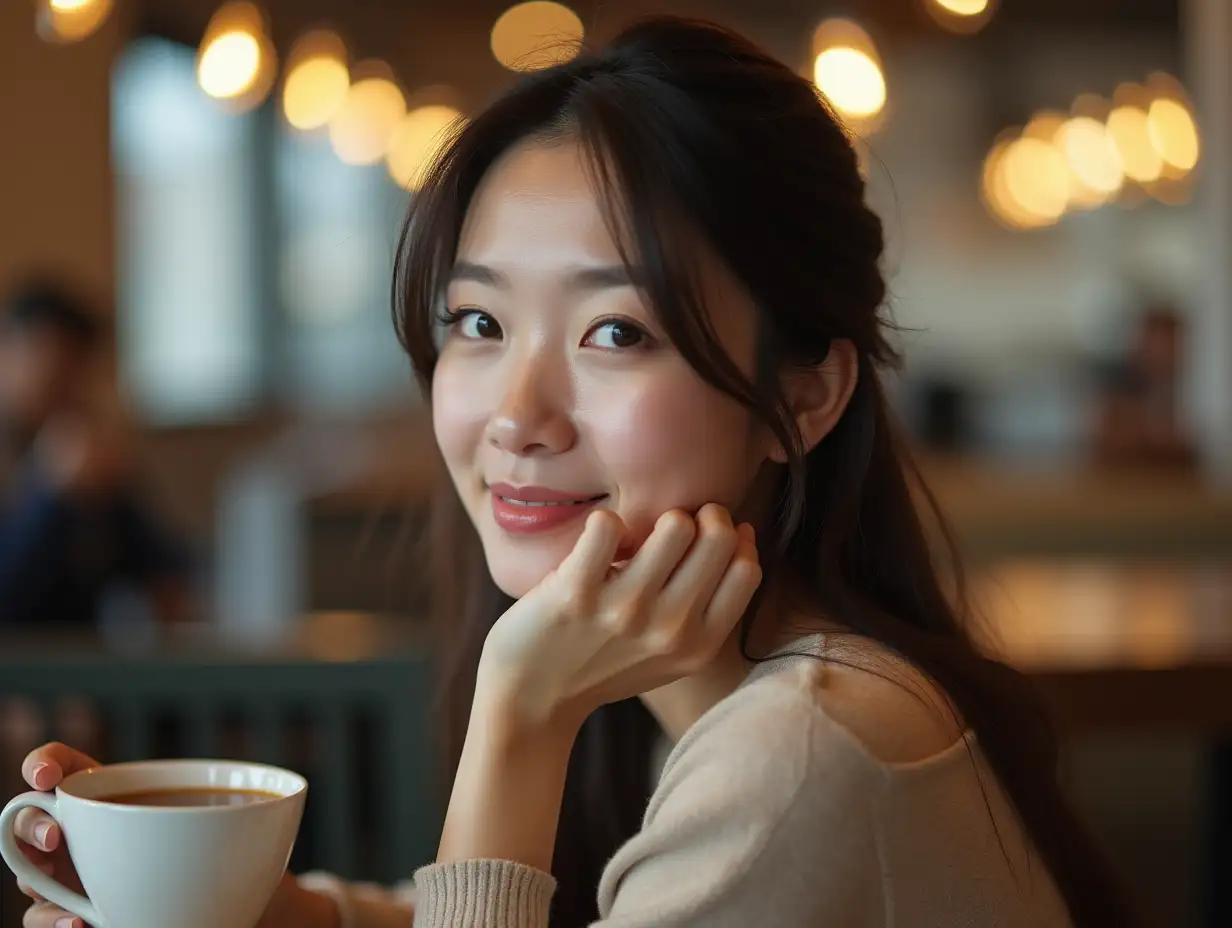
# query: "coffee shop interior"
[219,186]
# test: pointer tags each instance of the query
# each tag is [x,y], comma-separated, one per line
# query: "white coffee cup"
[155,866]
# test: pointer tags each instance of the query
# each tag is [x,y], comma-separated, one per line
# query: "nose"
[532,418]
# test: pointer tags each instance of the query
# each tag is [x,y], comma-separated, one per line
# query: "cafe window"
[189,267]
[254,264]
[337,233]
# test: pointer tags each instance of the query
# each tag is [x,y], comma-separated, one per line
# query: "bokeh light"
[236,62]
[1095,166]
[1037,178]
[71,20]
[1174,134]
[847,71]
[1128,128]
[1143,143]
[230,64]
[417,141]
[317,80]
[962,16]
[1025,182]
[997,199]
[963,7]
[536,35]
[851,81]
[361,129]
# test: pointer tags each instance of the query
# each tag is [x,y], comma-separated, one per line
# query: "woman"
[642,290]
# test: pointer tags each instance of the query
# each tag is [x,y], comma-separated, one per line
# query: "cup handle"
[51,890]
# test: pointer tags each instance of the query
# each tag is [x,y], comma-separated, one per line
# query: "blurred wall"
[56,187]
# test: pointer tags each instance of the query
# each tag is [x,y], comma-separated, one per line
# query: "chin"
[516,580]
[518,569]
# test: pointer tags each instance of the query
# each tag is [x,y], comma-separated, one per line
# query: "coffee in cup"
[189,797]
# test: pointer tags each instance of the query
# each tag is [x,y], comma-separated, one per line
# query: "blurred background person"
[74,526]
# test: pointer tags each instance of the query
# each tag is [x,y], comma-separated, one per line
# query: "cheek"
[458,416]
[676,443]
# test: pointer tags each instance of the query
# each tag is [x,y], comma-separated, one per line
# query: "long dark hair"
[692,131]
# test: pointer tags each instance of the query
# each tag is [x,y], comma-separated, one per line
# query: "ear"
[819,396]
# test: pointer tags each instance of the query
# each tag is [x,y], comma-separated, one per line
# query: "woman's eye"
[616,335]
[474,324]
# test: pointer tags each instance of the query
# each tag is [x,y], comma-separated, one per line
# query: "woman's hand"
[40,839]
[39,836]
[590,634]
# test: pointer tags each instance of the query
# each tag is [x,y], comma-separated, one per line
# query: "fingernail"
[68,921]
[34,774]
[41,833]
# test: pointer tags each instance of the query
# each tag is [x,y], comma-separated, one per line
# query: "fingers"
[45,767]
[697,578]
[660,555]
[592,556]
[46,915]
[740,581]
[37,829]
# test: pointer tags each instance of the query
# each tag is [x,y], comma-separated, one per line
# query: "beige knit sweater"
[815,795]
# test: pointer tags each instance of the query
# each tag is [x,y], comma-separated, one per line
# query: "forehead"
[538,198]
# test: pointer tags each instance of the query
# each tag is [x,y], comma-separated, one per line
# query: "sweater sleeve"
[742,830]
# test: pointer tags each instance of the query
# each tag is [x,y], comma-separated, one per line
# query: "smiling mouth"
[529,504]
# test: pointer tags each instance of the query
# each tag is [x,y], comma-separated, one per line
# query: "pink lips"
[525,510]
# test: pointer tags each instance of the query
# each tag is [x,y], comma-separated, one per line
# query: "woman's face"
[557,392]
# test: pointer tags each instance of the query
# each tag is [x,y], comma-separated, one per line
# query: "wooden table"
[999,511]
[1121,646]
[1129,647]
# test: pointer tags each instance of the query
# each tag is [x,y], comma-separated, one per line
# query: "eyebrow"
[587,279]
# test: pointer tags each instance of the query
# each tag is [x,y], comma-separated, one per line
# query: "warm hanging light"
[362,128]
[236,62]
[417,141]
[1143,143]
[1025,182]
[997,200]
[962,16]
[963,7]
[230,64]
[1095,166]
[1037,178]
[851,81]
[1174,135]
[536,35]
[847,71]
[1129,129]
[317,80]
[71,20]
